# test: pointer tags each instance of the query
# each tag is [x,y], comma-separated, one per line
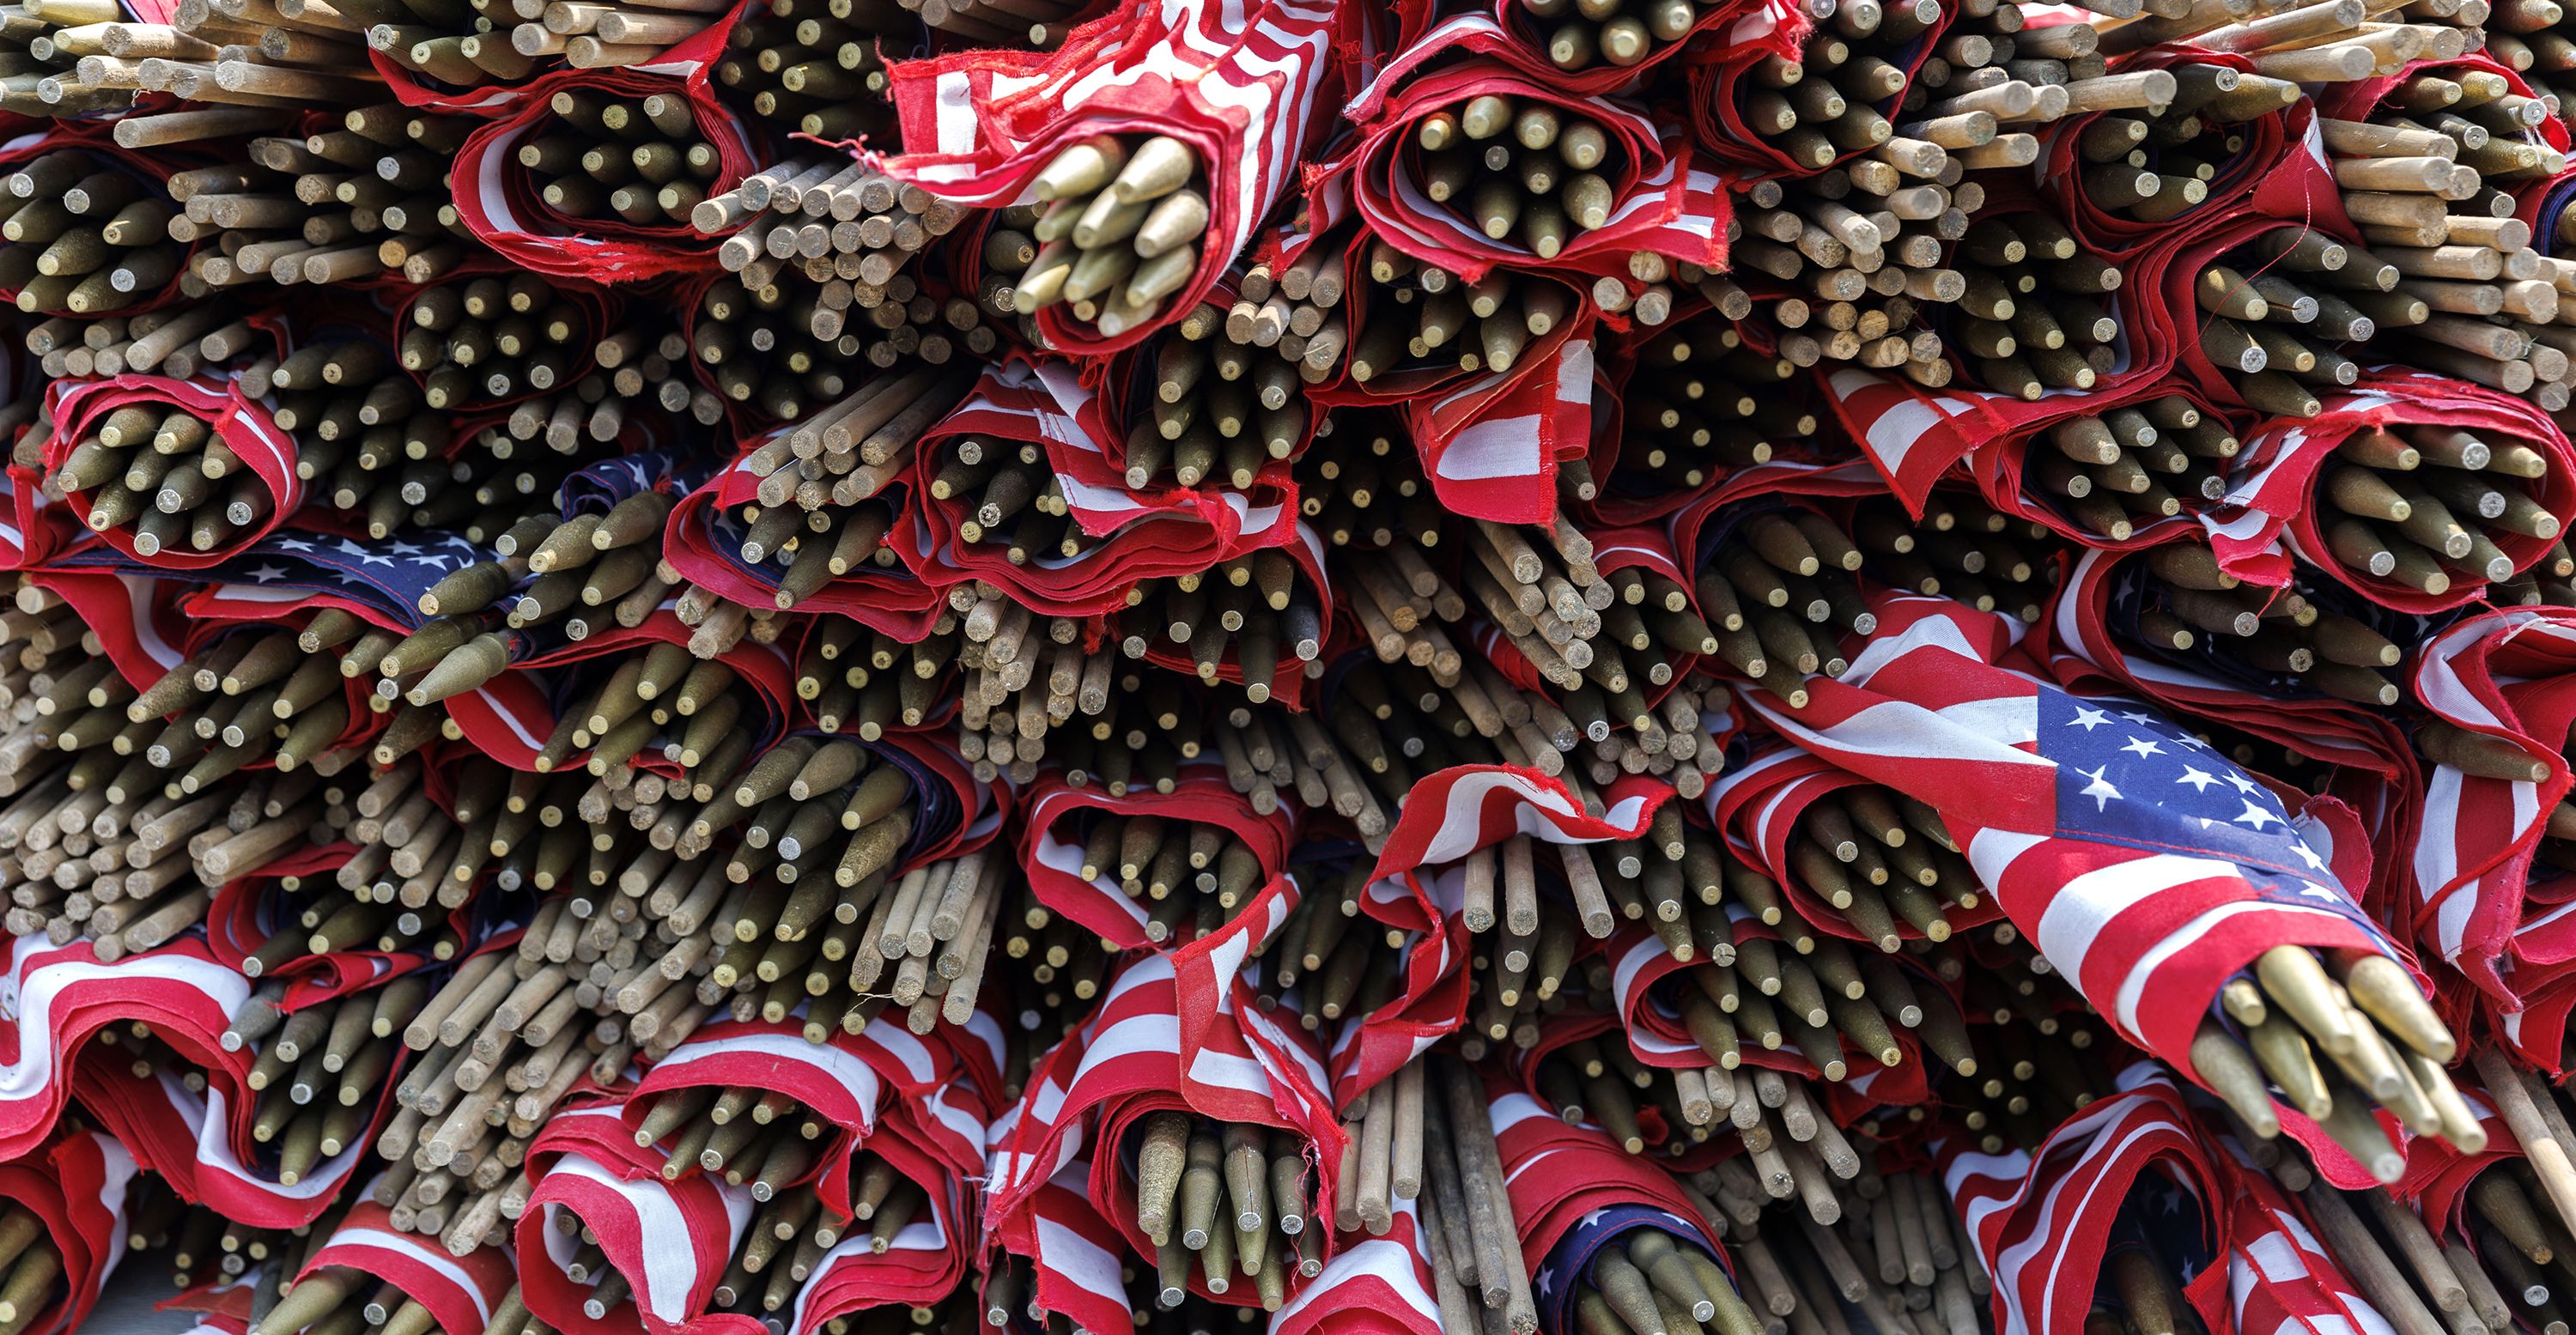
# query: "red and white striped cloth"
[2146,867]
[1448,815]
[1378,1284]
[1656,1036]
[2044,1223]
[76,1186]
[2510,676]
[499,201]
[200,1142]
[460,1292]
[1160,531]
[1756,805]
[1557,1174]
[671,1240]
[2279,171]
[1051,845]
[52,998]
[1665,201]
[2273,495]
[881,1086]
[242,424]
[2280,1279]
[1155,1042]
[1243,84]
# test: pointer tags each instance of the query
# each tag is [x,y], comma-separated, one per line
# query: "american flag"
[1572,1191]
[2273,498]
[1054,864]
[1077,1253]
[1377,1285]
[461,1292]
[248,909]
[2277,174]
[1145,1049]
[2280,1279]
[1756,805]
[2146,867]
[1160,531]
[243,425]
[1656,1036]
[922,1264]
[2438,1174]
[76,1186]
[498,202]
[671,1240]
[703,541]
[1446,816]
[1144,1044]
[1508,34]
[52,998]
[1244,85]
[2130,1165]
[1490,444]
[2092,631]
[2504,675]
[200,1141]
[1666,203]
[888,1090]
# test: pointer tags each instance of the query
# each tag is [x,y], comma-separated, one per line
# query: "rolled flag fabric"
[76,1187]
[2508,679]
[1161,531]
[1243,86]
[2275,494]
[1415,888]
[2145,866]
[1574,1192]
[2128,1170]
[884,1073]
[1663,202]
[57,996]
[1757,805]
[1645,978]
[2279,172]
[703,541]
[1380,1284]
[502,206]
[1155,1042]
[1052,850]
[242,423]
[200,1142]
[2090,641]
[459,1291]
[671,1240]
[1999,469]
[1512,33]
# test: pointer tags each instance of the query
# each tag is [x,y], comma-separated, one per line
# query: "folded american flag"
[2509,676]
[1448,815]
[2046,1223]
[671,1240]
[76,1186]
[1244,85]
[459,1291]
[2144,865]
